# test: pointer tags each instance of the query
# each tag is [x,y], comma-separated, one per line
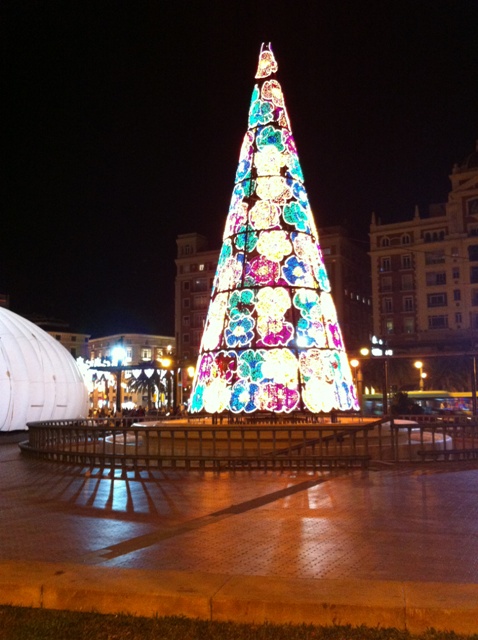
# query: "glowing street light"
[419,365]
[118,355]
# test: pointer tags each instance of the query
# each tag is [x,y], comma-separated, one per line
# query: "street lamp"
[380,350]
[358,379]
[354,363]
[419,365]
[171,377]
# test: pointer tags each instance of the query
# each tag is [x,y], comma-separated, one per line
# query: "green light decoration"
[271,341]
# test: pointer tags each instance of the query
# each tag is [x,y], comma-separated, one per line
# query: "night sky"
[124,121]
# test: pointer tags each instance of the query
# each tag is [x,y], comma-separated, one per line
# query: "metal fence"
[111,444]
[434,438]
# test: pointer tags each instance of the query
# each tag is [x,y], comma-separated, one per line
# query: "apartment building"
[425,271]
[348,268]
[195,270]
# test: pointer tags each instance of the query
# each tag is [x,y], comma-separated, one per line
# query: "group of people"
[180,411]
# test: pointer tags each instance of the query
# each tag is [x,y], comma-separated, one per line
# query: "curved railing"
[128,445]
[110,444]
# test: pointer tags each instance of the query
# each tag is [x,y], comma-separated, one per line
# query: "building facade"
[347,265]
[195,270]
[137,347]
[77,344]
[425,272]
[348,268]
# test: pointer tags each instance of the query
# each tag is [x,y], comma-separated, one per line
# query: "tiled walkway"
[388,523]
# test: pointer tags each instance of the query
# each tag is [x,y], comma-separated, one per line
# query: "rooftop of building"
[469,163]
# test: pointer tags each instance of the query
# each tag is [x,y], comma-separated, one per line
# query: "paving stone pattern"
[388,523]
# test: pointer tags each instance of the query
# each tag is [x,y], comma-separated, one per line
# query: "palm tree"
[146,385]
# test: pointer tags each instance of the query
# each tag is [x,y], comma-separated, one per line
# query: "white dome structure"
[39,378]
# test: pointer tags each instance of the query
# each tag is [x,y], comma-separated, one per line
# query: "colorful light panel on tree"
[271,341]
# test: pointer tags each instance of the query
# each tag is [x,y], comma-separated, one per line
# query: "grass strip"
[20,623]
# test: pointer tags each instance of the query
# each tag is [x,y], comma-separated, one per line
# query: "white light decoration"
[39,379]
[118,355]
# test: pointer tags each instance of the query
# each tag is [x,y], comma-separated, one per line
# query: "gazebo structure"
[271,342]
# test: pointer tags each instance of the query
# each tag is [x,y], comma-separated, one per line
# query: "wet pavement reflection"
[387,523]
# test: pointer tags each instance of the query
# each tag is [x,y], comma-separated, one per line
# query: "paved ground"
[400,524]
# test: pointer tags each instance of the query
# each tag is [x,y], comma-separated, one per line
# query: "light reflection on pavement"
[393,523]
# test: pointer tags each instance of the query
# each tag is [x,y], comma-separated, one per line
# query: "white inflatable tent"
[39,378]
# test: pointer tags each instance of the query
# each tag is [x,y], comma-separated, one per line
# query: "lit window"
[201,267]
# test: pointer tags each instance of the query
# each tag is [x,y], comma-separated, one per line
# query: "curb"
[248,599]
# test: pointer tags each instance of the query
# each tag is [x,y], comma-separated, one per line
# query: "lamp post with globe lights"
[379,349]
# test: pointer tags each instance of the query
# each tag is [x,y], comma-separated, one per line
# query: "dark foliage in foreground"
[18,623]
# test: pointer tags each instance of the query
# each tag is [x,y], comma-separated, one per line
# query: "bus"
[431,402]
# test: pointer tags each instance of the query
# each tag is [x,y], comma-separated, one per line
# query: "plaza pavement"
[394,546]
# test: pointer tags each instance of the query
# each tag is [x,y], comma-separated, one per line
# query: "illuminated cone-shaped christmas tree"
[271,341]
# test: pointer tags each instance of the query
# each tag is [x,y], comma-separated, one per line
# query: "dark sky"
[124,120]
